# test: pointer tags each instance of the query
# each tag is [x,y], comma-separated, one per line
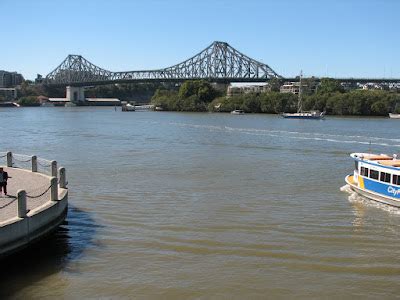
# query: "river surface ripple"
[187,205]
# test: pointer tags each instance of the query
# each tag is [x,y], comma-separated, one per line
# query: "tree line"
[201,96]
[330,96]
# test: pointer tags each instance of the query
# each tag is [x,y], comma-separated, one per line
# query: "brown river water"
[210,206]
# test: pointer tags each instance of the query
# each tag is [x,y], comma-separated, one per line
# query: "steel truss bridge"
[219,62]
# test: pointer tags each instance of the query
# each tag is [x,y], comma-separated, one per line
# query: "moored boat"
[300,114]
[146,107]
[394,116]
[377,177]
[128,107]
[314,114]
[237,112]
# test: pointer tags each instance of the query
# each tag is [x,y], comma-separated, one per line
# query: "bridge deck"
[33,183]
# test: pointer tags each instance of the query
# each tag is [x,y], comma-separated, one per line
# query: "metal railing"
[39,165]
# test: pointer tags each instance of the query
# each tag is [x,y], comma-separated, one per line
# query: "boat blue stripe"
[382,188]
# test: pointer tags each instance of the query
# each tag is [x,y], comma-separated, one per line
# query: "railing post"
[34,163]
[63,178]
[21,197]
[9,159]
[54,168]
[54,189]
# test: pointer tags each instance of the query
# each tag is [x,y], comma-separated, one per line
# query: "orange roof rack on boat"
[392,163]
[377,157]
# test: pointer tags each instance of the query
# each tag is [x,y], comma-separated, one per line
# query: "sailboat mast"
[299,102]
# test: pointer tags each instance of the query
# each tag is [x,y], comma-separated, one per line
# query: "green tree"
[329,85]
[29,101]
[275,102]
[308,85]
[274,84]
[201,88]
[167,99]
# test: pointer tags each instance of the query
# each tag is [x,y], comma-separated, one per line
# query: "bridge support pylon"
[76,94]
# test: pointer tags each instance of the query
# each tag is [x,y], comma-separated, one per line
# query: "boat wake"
[346,188]
[333,138]
[355,198]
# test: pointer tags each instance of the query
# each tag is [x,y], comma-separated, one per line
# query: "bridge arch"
[219,62]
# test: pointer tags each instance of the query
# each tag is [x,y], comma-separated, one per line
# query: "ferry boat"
[377,177]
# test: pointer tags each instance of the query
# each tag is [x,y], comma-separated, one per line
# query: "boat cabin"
[377,173]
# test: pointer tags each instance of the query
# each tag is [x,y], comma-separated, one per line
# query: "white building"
[294,87]
[236,88]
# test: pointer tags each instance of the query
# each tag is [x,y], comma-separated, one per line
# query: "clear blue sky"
[338,38]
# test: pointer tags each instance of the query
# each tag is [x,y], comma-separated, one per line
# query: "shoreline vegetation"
[201,96]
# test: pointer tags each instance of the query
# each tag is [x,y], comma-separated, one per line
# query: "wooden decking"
[33,183]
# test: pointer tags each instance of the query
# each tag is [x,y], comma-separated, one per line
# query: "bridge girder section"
[219,63]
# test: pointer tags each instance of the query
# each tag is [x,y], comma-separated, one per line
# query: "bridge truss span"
[219,62]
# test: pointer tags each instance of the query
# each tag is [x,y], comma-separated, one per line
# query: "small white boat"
[237,112]
[147,107]
[314,114]
[394,116]
[377,177]
[128,107]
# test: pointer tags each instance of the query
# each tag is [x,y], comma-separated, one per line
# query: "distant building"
[348,86]
[294,87]
[8,94]
[375,86]
[235,89]
[39,79]
[290,87]
[10,79]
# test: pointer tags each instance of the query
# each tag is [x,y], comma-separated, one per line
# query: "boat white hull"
[128,107]
[371,195]
[394,116]
[309,116]
[237,112]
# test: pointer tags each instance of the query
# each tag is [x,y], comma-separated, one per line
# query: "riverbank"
[356,102]
[202,96]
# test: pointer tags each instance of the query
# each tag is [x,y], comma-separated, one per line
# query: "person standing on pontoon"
[3,181]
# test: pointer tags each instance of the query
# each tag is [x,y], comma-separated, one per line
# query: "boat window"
[385,177]
[356,164]
[374,174]
[364,171]
[396,179]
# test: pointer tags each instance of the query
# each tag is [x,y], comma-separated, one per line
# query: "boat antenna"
[299,102]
